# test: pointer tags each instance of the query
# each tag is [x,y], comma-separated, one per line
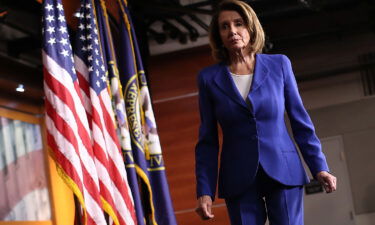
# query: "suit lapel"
[225,82]
[260,73]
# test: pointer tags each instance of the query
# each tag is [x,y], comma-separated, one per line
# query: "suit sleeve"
[302,126]
[207,148]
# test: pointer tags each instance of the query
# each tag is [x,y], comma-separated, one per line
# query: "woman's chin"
[236,48]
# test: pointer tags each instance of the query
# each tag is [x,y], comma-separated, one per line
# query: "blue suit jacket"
[254,132]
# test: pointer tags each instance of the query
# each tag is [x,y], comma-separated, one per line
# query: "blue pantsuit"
[256,143]
[283,204]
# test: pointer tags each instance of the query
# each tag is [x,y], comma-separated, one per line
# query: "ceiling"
[177,24]
[170,25]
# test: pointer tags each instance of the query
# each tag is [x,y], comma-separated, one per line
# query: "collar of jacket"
[225,82]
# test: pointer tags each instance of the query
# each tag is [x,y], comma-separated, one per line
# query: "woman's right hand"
[204,207]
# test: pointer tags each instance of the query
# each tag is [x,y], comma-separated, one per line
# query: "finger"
[335,184]
[326,187]
[325,184]
[331,183]
[330,187]
[204,211]
[207,211]
[322,180]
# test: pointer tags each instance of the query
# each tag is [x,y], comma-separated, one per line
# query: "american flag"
[91,72]
[119,105]
[68,133]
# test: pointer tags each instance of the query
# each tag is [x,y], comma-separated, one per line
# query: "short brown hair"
[257,36]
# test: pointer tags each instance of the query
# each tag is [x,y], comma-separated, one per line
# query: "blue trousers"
[283,205]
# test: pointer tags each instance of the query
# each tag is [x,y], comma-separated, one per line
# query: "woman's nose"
[232,30]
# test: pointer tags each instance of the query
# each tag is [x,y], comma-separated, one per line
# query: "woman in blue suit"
[247,94]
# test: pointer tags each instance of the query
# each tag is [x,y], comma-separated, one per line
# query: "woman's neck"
[241,63]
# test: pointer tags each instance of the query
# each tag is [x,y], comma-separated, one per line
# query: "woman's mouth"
[234,40]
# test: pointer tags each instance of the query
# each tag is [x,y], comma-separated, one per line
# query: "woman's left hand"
[327,180]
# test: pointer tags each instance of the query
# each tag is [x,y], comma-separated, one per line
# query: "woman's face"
[233,31]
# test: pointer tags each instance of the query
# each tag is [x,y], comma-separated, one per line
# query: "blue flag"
[146,147]
[119,105]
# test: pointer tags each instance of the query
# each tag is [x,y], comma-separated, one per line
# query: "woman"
[247,93]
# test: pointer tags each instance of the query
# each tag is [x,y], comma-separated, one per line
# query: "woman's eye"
[239,24]
[224,26]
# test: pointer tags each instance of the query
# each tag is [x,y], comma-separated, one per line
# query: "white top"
[243,83]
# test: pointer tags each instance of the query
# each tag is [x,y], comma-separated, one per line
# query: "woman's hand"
[204,207]
[327,180]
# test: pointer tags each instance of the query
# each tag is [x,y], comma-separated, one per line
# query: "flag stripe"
[63,159]
[60,132]
[80,131]
[54,135]
[61,75]
[82,75]
[107,140]
[101,155]
[65,148]
[85,94]
[114,150]
[65,130]
[68,132]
